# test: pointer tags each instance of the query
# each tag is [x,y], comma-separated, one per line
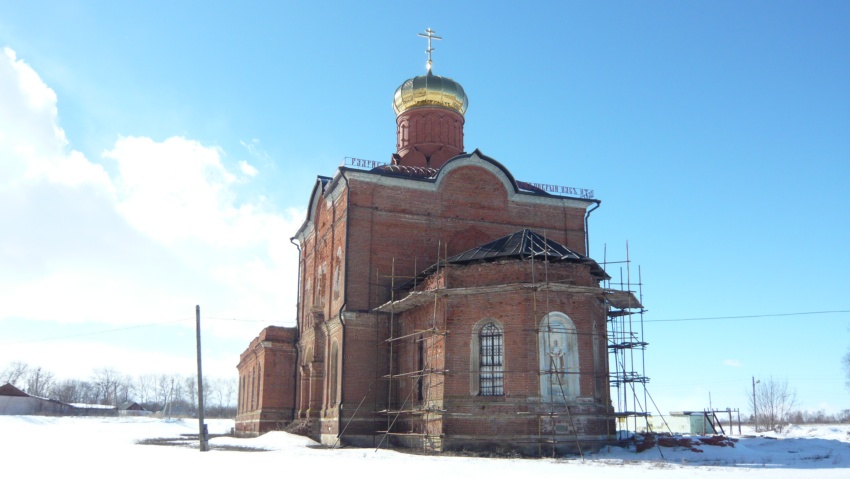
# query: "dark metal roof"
[324,181]
[523,245]
[9,390]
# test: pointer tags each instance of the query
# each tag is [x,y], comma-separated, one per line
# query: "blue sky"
[158,155]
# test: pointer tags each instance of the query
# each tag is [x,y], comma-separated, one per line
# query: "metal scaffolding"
[410,406]
[415,373]
[626,347]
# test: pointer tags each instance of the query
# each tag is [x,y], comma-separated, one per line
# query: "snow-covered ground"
[94,448]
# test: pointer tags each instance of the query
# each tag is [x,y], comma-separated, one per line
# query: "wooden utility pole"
[755,409]
[202,428]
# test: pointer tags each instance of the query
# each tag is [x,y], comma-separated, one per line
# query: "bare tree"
[219,391]
[178,393]
[14,373]
[89,392]
[106,381]
[190,386]
[172,394]
[125,387]
[222,391]
[75,391]
[67,391]
[774,403]
[39,382]
[146,388]
[163,390]
[230,386]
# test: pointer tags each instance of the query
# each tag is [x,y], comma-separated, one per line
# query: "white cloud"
[32,145]
[173,190]
[247,169]
[734,363]
[163,233]
[256,151]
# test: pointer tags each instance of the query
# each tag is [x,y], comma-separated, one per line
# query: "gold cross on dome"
[429,34]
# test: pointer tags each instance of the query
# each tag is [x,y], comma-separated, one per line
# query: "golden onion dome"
[430,90]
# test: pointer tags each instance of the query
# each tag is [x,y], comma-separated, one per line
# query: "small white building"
[696,423]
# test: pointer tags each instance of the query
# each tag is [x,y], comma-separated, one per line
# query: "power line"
[776,315]
[237,320]
[114,330]
[139,326]
[93,333]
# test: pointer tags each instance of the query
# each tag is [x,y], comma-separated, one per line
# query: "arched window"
[403,134]
[253,378]
[317,297]
[338,273]
[558,351]
[490,360]
[308,303]
[334,376]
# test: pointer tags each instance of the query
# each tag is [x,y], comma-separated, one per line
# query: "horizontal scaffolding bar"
[617,382]
[626,414]
[415,373]
[629,345]
[416,333]
[412,411]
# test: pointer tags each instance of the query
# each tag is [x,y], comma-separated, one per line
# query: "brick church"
[442,304]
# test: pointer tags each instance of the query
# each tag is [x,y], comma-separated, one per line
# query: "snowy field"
[95,448]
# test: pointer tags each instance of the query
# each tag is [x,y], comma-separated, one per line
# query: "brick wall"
[265,399]
[428,136]
[368,233]
[520,419]
[401,229]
